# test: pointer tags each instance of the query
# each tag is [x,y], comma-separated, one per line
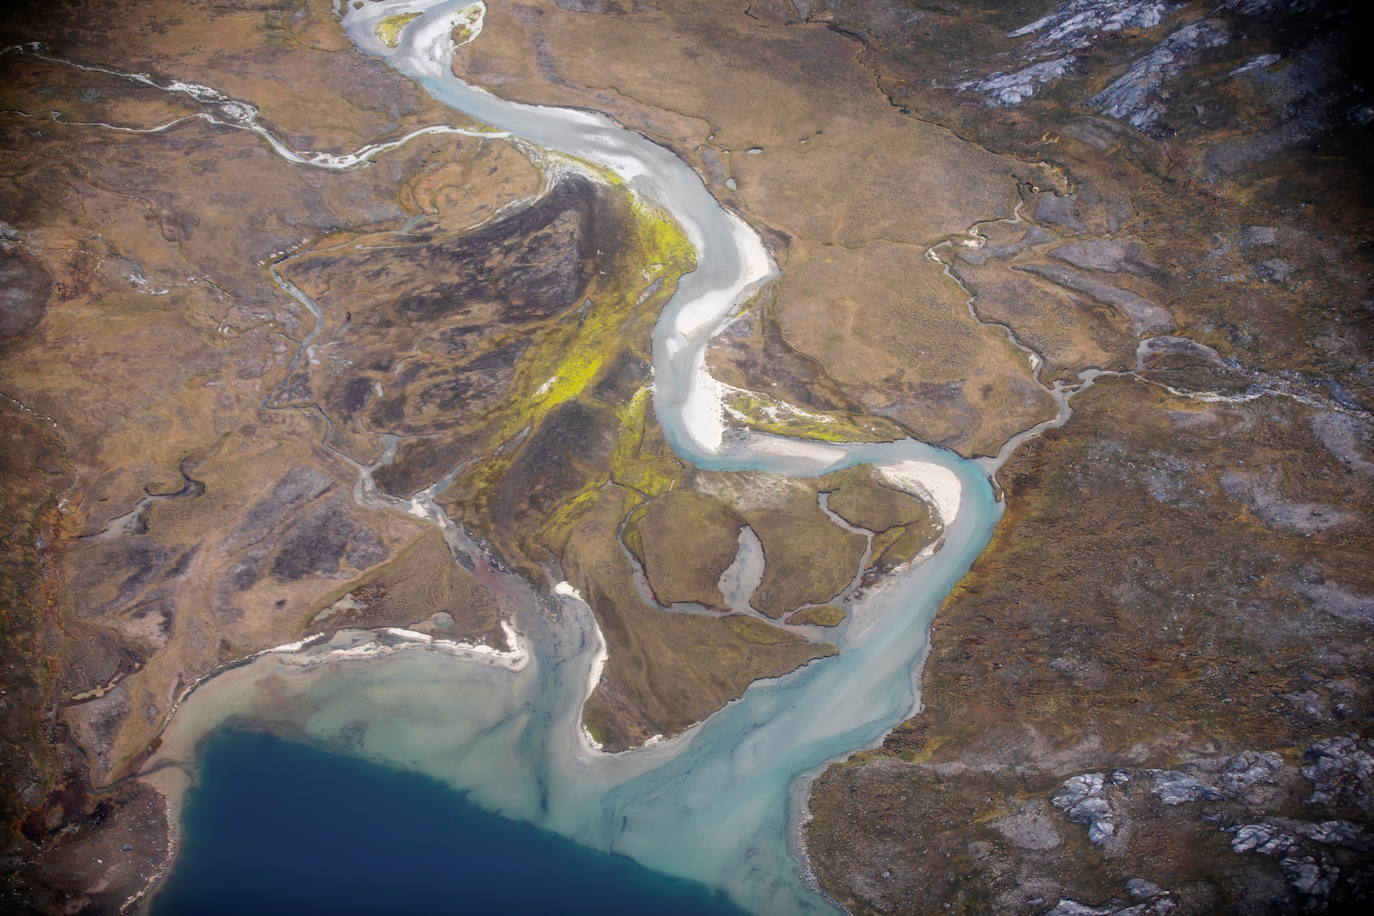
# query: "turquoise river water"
[719,806]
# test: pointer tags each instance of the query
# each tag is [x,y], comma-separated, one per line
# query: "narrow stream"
[721,803]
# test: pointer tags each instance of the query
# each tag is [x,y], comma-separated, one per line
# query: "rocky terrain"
[1151,694]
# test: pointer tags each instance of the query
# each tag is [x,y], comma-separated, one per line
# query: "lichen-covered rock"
[1138,96]
[1341,770]
[1083,799]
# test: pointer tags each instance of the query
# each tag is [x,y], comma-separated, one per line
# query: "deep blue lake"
[275,826]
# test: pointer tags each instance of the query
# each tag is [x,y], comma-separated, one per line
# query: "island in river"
[243,382]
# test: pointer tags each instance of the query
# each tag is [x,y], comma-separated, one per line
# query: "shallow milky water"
[715,805]
[427,850]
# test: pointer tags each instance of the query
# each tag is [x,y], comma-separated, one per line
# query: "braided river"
[721,805]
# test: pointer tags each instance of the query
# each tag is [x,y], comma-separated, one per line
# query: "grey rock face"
[1335,833]
[95,723]
[1244,777]
[1059,37]
[319,541]
[1084,801]
[1019,85]
[298,487]
[1145,316]
[1153,349]
[1310,854]
[1106,255]
[1257,236]
[1322,862]
[590,6]
[1077,23]
[1140,889]
[1031,827]
[1057,209]
[1241,773]
[1318,858]
[1174,788]
[1341,772]
[1309,877]
[1274,270]
[1074,908]
[1266,839]
[1336,600]
[1138,96]
[1315,856]
[1261,494]
[1345,438]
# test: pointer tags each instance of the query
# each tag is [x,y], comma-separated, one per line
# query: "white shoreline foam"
[308,653]
[588,745]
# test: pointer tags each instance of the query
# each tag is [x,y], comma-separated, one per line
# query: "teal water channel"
[718,807]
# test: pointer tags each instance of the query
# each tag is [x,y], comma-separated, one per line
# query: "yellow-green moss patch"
[389,29]
[767,414]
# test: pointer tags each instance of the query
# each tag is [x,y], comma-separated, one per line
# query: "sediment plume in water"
[715,804]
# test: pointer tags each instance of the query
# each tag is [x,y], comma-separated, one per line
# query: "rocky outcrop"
[1086,672]
[1139,96]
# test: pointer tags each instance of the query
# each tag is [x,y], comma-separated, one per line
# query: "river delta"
[600,446]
